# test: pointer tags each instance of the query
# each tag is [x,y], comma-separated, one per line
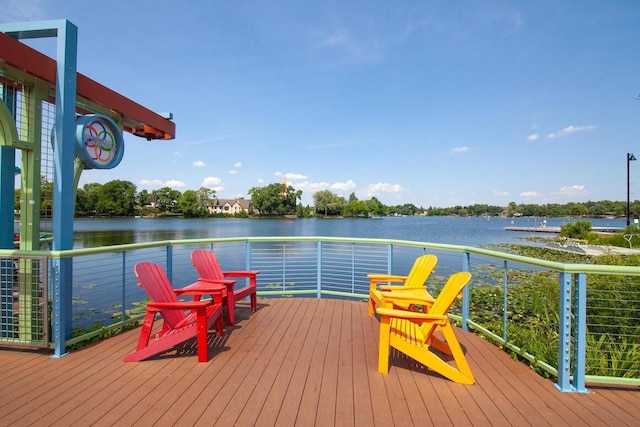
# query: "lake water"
[473,231]
[97,289]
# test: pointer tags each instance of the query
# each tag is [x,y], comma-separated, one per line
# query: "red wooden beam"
[149,124]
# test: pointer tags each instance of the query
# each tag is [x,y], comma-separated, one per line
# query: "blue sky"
[435,103]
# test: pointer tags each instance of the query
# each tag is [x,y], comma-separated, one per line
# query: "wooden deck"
[294,362]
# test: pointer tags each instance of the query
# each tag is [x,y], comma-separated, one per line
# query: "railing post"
[284,266]
[353,267]
[247,256]
[319,271]
[564,349]
[170,263]
[505,301]
[580,338]
[124,283]
[466,266]
[389,259]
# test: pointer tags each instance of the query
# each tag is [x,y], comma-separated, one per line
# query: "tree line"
[121,198]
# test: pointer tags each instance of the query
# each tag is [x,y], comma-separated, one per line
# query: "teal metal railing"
[587,314]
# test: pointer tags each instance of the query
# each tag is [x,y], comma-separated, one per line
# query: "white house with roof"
[229,206]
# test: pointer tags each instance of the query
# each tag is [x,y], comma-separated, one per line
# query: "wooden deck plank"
[237,367]
[294,362]
[189,403]
[499,389]
[262,374]
[308,408]
[276,396]
[289,411]
[327,405]
[377,387]
[363,411]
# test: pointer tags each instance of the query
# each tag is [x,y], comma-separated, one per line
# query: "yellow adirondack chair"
[412,333]
[413,284]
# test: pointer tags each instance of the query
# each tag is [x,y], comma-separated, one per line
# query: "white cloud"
[570,129]
[199,164]
[150,183]
[460,149]
[278,173]
[213,183]
[343,186]
[174,183]
[529,194]
[382,187]
[177,154]
[260,180]
[499,193]
[233,172]
[294,176]
[238,165]
[533,137]
[156,183]
[573,191]
[310,188]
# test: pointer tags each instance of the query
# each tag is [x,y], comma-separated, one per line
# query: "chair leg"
[254,302]
[202,334]
[383,349]
[372,307]
[458,354]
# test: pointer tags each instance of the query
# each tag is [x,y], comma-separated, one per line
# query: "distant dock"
[557,229]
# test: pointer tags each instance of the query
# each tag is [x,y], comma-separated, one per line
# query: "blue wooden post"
[64,189]
[7,187]
[580,337]
[169,261]
[247,255]
[466,266]
[564,350]
[505,301]
[319,271]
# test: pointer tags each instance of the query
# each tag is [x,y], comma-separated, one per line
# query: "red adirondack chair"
[208,268]
[178,326]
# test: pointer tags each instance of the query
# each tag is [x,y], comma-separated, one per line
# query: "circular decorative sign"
[99,142]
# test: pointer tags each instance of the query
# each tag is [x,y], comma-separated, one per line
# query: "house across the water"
[229,206]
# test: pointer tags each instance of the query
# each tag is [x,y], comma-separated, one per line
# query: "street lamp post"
[630,158]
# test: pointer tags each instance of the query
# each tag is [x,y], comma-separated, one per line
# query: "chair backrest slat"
[422,268]
[206,264]
[156,284]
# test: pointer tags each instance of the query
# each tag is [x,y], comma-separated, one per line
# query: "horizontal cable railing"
[577,322]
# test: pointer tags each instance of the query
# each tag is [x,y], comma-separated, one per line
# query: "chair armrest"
[180,305]
[411,315]
[207,282]
[386,278]
[401,288]
[240,273]
[407,299]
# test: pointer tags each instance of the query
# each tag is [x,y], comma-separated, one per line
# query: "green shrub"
[577,230]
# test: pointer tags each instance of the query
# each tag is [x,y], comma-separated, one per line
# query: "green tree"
[328,203]
[356,208]
[92,193]
[116,198]
[204,196]
[188,204]
[376,207]
[576,230]
[166,199]
[275,199]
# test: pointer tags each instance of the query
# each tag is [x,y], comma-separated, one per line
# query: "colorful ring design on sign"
[99,142]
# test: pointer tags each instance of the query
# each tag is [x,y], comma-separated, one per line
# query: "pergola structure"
[61,122]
